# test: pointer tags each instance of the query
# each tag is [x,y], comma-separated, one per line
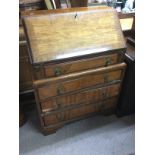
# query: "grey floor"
[98,135]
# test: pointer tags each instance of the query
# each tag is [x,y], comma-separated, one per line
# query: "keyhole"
[75,15]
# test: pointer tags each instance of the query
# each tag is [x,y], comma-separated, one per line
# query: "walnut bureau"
[77,56]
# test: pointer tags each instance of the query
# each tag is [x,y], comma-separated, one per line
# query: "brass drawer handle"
[108,61]
[60,90]
[57,71]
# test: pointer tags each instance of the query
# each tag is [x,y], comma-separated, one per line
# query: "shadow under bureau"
[77,59]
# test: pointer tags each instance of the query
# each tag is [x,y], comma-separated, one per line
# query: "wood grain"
[83,97]
[55,36]
[58,69]
[101,70]
[65,68]
[77,82]
[69,49]
[80,111]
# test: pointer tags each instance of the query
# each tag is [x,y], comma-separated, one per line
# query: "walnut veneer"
[77,56]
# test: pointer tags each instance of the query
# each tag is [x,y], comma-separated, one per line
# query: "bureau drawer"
[54,70]
[80,65]
[65,84]
[79,112]
[84,97]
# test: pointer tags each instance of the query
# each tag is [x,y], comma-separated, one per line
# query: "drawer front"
[79,112]
[55,70]
[58,87]
[65,68]
[84,97]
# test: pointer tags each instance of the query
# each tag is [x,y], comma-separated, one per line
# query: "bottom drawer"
[79,112]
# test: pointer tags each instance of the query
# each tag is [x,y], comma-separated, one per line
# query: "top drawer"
[54,70]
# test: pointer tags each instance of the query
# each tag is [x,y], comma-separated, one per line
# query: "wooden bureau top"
[67,33]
